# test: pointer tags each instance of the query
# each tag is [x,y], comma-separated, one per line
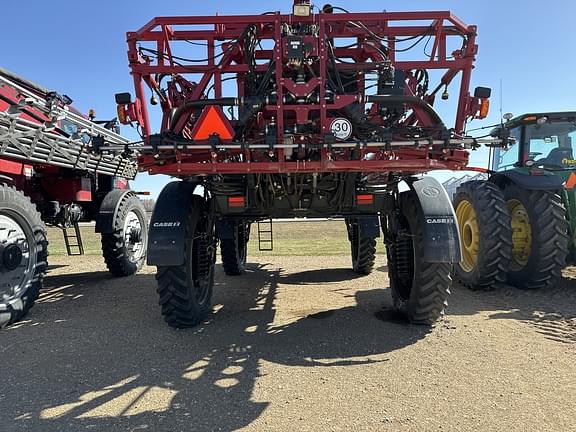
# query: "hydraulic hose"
[411,100]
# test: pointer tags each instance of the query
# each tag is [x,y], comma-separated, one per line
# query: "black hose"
[201,103]
[252,106]
[411,100]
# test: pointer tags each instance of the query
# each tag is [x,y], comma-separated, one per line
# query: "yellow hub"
[469,236]
[521,234]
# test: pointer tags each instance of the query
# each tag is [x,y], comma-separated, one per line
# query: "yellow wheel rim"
[521,234]
[469,236]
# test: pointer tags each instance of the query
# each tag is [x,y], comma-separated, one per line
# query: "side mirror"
[123,98]
[482,92]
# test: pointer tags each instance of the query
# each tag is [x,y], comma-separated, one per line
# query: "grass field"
[311,238]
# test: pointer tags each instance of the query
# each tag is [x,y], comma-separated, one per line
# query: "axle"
[10,257]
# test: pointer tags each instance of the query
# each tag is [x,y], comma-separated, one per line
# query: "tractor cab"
[545,141]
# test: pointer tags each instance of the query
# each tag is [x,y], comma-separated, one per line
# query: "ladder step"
[265,236]
[75,248]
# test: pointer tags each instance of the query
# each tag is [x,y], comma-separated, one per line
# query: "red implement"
[320,92]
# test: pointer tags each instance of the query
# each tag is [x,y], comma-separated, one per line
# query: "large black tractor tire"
[124,249]
[539,237]
[419,289]
[485,235]
[363,248]
[186,291]
[23,254]
[234,251]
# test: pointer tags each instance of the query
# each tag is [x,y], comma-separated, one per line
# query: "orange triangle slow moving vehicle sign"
[571,182]
[212,121]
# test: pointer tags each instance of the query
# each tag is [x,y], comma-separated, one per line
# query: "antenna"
[492,149]
[501,103]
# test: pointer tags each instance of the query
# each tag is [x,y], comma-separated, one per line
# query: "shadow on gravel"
[75,279]
[319,276]
[55,267]
[70,286]
[107,362]
[551,311]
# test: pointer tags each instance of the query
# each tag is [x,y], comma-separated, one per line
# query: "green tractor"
[518,226]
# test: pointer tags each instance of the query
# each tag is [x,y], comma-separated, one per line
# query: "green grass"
[90,239]
[313,238]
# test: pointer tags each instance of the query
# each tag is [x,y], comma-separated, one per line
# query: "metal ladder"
[265,236]
[76,248]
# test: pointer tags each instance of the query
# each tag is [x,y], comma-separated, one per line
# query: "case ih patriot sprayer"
[51,172]
[329,114]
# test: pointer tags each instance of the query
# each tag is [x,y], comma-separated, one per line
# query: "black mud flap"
[167,235]
[369,226]
[441,238]
[108,209]
[225,228]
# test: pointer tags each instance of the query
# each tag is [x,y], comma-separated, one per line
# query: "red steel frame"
[164,31]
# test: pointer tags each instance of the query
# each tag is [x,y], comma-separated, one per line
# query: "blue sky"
[78,48]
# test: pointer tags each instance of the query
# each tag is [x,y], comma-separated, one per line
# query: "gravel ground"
[298,343]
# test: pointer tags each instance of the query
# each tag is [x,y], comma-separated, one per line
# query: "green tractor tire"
[539,237]
[485,235]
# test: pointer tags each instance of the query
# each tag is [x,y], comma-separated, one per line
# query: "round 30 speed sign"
[341,128]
